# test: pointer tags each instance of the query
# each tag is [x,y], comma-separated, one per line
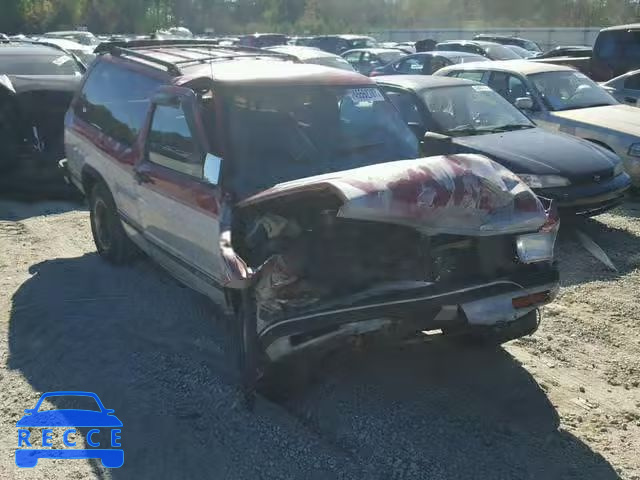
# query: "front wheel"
[245,337]
[111,241]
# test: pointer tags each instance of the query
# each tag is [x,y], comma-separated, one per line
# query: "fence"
[547,38]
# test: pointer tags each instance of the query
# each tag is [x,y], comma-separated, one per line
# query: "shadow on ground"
[578,266]
[152,351]
[13,210]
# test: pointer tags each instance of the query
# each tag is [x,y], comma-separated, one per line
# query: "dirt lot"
[564,403]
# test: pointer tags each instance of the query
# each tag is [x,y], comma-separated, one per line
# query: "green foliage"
[306,16]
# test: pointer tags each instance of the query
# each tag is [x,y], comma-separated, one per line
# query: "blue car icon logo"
[69,419]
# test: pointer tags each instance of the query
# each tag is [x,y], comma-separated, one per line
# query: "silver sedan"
[561,99]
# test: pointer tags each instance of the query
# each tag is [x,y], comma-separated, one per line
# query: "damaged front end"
[402,247]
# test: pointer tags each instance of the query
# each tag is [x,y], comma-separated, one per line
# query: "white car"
[83,52]
[313,55]
[561,99]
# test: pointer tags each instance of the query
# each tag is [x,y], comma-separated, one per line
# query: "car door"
[180,209]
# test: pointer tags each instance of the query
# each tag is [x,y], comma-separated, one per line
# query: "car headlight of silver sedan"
[545,181]
[634,150]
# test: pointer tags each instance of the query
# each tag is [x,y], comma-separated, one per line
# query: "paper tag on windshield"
[365,95]
[481,88]
[61,60]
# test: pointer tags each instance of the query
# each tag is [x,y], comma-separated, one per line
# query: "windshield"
[531,46]
[38,65]
[334,62]
[500,52]
[283,133]
[569,90]
[471,110]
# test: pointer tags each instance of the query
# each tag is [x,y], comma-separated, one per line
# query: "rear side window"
[475,76]
[116,101]
[413,64]
[632,82]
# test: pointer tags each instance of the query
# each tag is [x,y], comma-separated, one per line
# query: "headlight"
[618,169]
[634,150]
[545,181]
[538,247]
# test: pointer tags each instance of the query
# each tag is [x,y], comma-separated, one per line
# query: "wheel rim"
[102,224]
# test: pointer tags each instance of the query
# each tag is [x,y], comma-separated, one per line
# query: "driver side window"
[170,142]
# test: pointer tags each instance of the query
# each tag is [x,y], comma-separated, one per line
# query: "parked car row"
[299,198]
[275,180]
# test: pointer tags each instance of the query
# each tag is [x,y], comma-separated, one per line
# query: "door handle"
[142,177]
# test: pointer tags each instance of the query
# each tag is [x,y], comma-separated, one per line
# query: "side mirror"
[166,99]
[436,136]
[212,169]
[524,103]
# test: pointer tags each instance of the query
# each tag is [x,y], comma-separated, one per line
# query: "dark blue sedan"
[425,63]
[452,115]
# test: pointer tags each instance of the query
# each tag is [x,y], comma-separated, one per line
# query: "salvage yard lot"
[564,403]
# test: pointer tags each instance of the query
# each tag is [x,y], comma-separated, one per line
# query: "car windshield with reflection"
[568,90]
[472,110]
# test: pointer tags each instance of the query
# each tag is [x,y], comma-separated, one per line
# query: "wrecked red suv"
[295,197]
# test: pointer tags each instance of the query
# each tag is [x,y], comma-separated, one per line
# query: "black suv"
[616,51]
[37,83]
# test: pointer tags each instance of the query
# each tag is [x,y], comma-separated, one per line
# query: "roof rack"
[135,49]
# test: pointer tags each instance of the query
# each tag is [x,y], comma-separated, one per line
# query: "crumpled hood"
[457,194]
[539,152]
[622,118]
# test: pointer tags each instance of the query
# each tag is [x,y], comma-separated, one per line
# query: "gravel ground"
[563,403]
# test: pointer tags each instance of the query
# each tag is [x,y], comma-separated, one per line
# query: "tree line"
[306,16]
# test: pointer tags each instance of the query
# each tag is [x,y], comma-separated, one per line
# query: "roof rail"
[135,49]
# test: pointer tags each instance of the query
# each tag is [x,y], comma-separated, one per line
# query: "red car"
[295,196]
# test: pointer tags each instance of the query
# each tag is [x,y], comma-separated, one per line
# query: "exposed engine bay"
[311,258]
[357,236]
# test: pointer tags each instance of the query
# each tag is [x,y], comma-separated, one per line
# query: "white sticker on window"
[481,88]
[416,66]
[61,60]
[365,95]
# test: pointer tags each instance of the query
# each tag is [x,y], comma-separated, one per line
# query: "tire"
[245,346]
[111,241]
[494,337]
